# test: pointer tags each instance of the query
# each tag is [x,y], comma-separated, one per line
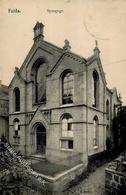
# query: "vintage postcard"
[62,97]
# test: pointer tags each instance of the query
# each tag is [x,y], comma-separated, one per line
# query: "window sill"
[66,150]
[38,103]
[95,107]
[16,112]
[95,147]
[66,138]
[16,136]
[66,105]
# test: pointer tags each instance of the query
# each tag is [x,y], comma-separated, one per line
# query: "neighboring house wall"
[4,99]
[108,113]
[72,125]
[114,103]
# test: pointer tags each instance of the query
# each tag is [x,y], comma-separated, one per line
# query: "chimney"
[38,32]
[0,83]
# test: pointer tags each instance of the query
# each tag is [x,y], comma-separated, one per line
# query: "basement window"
[67,144]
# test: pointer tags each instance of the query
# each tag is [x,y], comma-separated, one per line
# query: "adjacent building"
[4,110]
[59,103]
[113,103]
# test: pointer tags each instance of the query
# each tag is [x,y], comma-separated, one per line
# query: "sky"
[80,21]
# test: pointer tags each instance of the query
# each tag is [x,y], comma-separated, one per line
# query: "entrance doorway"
[41,139]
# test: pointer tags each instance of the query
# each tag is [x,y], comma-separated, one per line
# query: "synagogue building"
[59,104]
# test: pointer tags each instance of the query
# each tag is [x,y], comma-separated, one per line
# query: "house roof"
[4,94]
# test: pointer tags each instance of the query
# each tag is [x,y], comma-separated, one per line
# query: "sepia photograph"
[63,97]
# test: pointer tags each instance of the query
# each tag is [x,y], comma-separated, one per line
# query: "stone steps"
[36,158]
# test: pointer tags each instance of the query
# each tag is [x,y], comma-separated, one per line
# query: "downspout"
[111,120]
[104,117]
[25,114]
[87,110]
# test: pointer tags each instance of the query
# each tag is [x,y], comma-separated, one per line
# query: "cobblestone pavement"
[93,185]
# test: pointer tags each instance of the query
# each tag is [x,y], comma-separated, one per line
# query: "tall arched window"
[107,131]
[40,83]
[107,110]
[67,87]
[38,78]
[95,88]
[16,136]
[17,99]
[67,132]
[96,133]
[67,125]
[114,110]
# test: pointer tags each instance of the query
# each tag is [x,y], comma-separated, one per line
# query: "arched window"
[17,99]
[107,131]
[96,133]
[38,78]
[40,83]
[67,87]
[107,110]
[114,110]
[67,125]
[67,132]
[108,138]
[16,136]
[95,88]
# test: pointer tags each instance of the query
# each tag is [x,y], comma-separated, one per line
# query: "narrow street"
[93,185]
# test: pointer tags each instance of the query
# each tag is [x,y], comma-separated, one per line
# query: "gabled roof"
[68,54]
[33,49]
[44,44]
[61,52]
[114,90]
[96,57]
[19,76]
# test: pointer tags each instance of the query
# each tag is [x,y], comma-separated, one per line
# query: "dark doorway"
[41,139]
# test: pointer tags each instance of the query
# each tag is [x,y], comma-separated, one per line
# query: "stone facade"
[115,176]
[4,110]
[57,103]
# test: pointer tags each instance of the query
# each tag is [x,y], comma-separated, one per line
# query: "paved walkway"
[93,185]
